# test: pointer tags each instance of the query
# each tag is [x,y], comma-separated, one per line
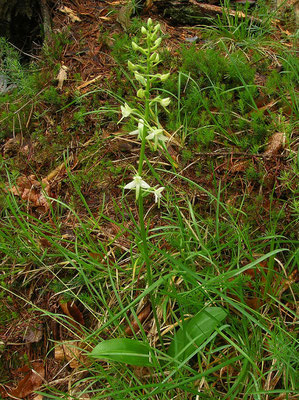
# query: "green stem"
[143,233]
[146,116]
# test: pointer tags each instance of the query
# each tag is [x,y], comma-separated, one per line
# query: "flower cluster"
[146,131]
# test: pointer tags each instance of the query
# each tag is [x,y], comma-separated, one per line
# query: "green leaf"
[194,332]
[124,350]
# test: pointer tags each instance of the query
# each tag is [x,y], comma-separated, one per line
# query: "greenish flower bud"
[132,67]
[135,46]
[164,77]
[155,57]
[140,78]
[138,48]
[165,102]
[157,28]
[149,22]
[141,93]
[158,42]
[153,37]
[144,30]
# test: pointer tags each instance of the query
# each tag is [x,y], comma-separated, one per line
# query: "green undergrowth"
[198,261]
[222,239]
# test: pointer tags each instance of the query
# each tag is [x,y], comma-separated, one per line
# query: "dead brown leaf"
[71,310]
[38,397]
[62,76]
[72,353]
[33,334]
[240,166]
[33,191]
[276,142]
[32,381]
[288,282]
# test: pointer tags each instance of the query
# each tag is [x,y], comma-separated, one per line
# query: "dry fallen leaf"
[71,310]
[70,13]
[62,76]
[73,353]
[276,142]
[32,191]
[31,381]
[33,334]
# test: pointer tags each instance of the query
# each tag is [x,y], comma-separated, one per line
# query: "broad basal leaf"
[124,350]
[194,332]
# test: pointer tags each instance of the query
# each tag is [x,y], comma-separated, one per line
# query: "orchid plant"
[148,129]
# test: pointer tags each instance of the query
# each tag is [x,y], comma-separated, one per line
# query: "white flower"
[135,46]
[139,131]
[126,110]
[157,43]
[138,48]
[158,194]
[165,102]
[137,183]
[157,136]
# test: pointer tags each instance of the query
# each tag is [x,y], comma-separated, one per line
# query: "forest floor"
[206,306]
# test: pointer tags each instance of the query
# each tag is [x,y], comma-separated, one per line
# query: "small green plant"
[52,97]
[53,48]
[20,84]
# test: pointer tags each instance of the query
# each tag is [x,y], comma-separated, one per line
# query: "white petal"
[136,132]
[130,185]
[150,136]
[140,78]
[144,185]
